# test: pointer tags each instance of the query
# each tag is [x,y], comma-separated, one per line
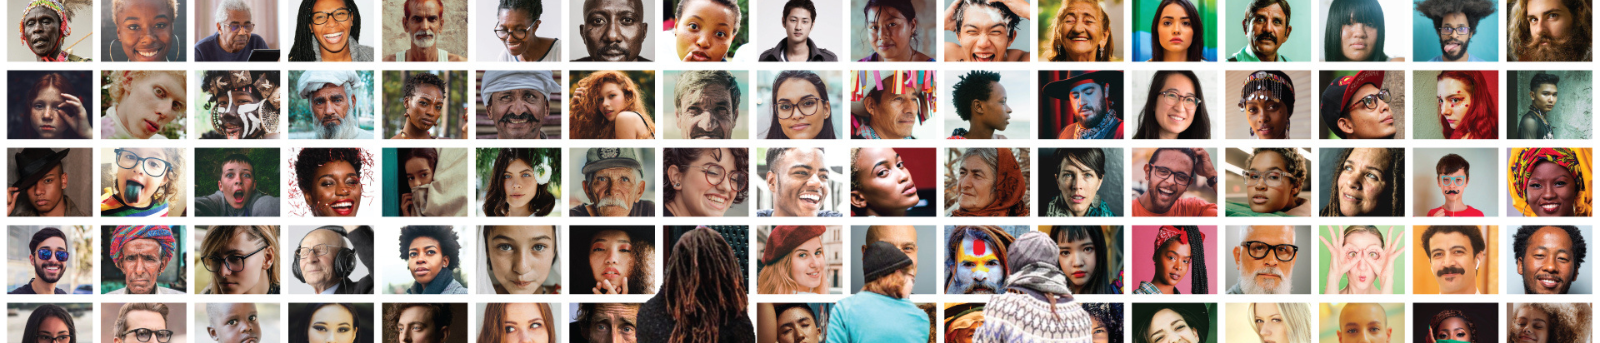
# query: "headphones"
[344,261]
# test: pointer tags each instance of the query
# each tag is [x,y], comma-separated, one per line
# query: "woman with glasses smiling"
[241,259]
[705,182]
[517,22]
[800,107]
[1174,108]
[327,30]
[50,323]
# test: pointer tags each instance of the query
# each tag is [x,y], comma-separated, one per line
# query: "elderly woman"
[145,104]
[1080,19]
[328,30]
[1174,108]
[1079,174]
[892,31]
[519,183]
[607,105]
[891,112]
[880,183]
[1551,182]
[144,31]
[144,182]
[330,179]
[521,259]
[793,261]
[1361,256]
[703,182]
[800,107]
[1180,33]
[988,182]
[53,108]
[1179,251]
[241,259]
[1367,182]
[1282,322]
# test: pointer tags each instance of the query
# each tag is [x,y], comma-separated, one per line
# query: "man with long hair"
[702,297]
[1550,31]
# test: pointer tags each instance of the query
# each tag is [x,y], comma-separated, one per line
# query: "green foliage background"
[264,161]
[645,79]
[485,165]
[300,109]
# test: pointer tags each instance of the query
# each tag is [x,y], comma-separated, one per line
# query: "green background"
[1397,273]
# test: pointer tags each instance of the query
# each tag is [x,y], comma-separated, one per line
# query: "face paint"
[978,269]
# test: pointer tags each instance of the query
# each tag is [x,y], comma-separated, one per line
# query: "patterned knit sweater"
[1026,318]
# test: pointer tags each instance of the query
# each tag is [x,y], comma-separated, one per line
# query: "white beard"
[347,129]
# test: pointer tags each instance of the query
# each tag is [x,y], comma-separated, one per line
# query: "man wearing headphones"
[324,261]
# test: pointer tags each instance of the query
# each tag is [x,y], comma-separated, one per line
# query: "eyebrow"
[426,247]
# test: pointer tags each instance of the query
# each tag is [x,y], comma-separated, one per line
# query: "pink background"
[1144,237]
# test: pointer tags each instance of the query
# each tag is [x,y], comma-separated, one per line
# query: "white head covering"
[313,80]
[504,80]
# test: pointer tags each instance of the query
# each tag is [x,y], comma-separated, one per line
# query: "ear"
[640,192]
[871,103]
[1236,251]
[1245,24]
[1286,30]
[1519,266]
[537,22]
[827,110]
[1482,255]
[444,331]
[64,180]
[858,200]
[674,176]
[772,180]
[587,191]
[1296,190]
[212,332]
[1346,126]
[446,263]
[272,257]
[977,107]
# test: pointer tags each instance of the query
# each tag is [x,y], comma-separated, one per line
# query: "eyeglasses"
[154,167]
[245,26]
[808,106]
[234,263]
[54,339]
[1460,30]
[44,254]
[143,334]
[1371,101]
[317,251]
[1272,178]
[340,15]
[1162,173]
[1452,180]
[1170,98]
[715,176]
[517,34]
[1258,250]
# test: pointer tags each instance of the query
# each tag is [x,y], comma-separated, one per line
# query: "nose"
[708,124]
[612,34]
[1271,260]
[521,263]
[405,335]
[703,41]
[342,189]
[525,336]
[1360,30]
[327,337]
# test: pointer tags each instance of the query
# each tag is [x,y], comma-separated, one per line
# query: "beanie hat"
[1033,247]
[785,238]
[882,259]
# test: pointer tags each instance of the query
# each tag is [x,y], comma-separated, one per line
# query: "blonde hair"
[1296,318]
[217,237]
[775,279]
[588,121]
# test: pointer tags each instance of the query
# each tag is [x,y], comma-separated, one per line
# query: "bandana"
[66,27]
[128,233]
[1575,160]
[1010,185]
[497,81]
[1169,232]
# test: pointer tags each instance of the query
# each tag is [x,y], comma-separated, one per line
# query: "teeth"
[811,197]
[1547,283]
[147,54]
[342,205]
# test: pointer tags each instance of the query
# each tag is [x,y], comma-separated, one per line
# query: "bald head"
[1363,323]
[903,237]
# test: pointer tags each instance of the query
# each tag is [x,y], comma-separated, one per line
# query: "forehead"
[1537,7]
[884,13]
[423,241]
[1551,235]
[1378,158]
[981,15]
[428,90]
[1266,309]
[1449,83]
[239,15]
[241,308]
[710,91]
[1076,7]
[1274,10]
[1271,234]
[1174,10]
[143,7]
[1267,159]
[321,237]
[1163,318]
[236,165]
[1447,240]
[794,314]
[329,90]
[707,9]
[613,172]
[797,85]
[420,7]
[327,5]
[331,314]
[1362,314]
[1178,81]
[610,235]
[1361,239]
[42,11]
[148,152]
[1174,160]
[807,156]
[973,246]
[975,162]
[141,245]
[612,5]
[523,232]
[141,319]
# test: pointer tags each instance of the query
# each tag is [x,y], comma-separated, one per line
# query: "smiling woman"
[793,261]
[146,31]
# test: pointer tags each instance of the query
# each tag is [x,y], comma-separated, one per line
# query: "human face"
[614,100]
[893,115]
[1453,45]
[1357,41]
[1269,323]
[42,28]
[1551,190]
[151,103]
[1078,259]
[1549,21]
[903,237]
[1455,100]
[1267,198]
[318,270]
[695,191]
[613,323]
[1452,190]
[332,35]
[1268,274]
[424,22]
[45,112]
[144,27]
[1172,264]
[1165,192]
[1366,122]
[136,187]
[1078,184]
[141,263]
[518,113]
[53,326]
[513,21]
[425,259]
[705,30]
[996,113]
[329,105]
[613,30]
[1089,103]
[238,180]
[1085,35]
[524,323]
[611,256]
[1547,265]
[1453,328]
[332,324]
[1174,117]
[239,324]
[141,319]
[520,184]
[1268,116]
[45,195]
[521,258]
[234,40]
[799,93]
[802,186]
[52,269]
[614,191]
[885,181]
[1098,330]
[890,31]
[418,172]
[416,326]
[1454,263]
[978,268]
[806,264]
[1361,179]
[1544,98]
[797,326]
[336,191]
[424,107]
[984,33]
[976,182]
[1174,31]
[707,113]
[1266,29]
[797,28]
[1365,250]
[1363,323]
[253,274]
[1167,326]
[1532,325]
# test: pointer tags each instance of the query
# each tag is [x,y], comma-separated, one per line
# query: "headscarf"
[1010,184]
[1169,232]
[504,80]
[1576,160]
[60,7]
[128,233]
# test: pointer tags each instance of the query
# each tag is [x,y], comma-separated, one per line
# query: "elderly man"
[1363,323]
[1549,257]
[43,178]
[1543,91]
[706,104]
[138,322]
[235,38]
[614,30]
[984,31]
[1550,31]
[1266,28]
[244,104]
[798,179]
[518,101]
[705,29]
[1265,260]
[1170,172]
[324,261]
[48,253]
[423,22]
[142,253]
[236,194]
[799,16]
[1457,23]
[1455,254]
[46,24]
[605,323]
[975,260]
[333,95]
[1090,99]
[233,323]
[613,181]
[424,96]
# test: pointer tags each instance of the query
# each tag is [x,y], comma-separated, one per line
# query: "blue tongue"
[130,192]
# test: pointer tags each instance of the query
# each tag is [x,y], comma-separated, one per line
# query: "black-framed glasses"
[245,26]
[1371,101]
[1272,178]
[1259,249]
[1460,30]
[54,339]
[143,334]
[715,174]
[1162,173]
[154,167]
[44,254]
[808,106]
[517,34]
[340,15]
[234,263]
[1189,102]
[316,250]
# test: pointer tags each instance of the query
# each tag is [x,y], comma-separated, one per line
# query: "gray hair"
[700,79]
[989,155]
[224,6]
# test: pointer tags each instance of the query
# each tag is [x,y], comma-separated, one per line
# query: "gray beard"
[346,129]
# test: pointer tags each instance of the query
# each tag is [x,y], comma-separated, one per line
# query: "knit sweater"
[1027,317]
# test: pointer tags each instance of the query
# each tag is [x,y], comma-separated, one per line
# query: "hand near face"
[405,206]
[71,111]
[605,287]
[950,16]
[1020,7]
[1337,266]
[1390,253]
[11,199]
[1205,167]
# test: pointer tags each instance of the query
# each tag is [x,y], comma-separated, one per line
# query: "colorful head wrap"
[128,233]
[897,82]
[1011,189]
[66,27]
[1576,160]
[1169,232]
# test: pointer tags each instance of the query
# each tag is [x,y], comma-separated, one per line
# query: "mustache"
[1267,37]
[613,49]
[1452,192]
[613,201]
[1450,270]
[697,132]
[524,116]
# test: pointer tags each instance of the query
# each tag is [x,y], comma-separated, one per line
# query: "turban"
[313,80]
[62,10]
[504,80]
[128,233]
[1575,160]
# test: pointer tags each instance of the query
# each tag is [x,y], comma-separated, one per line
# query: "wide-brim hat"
[1062,89]
[1336,99]
[33,163]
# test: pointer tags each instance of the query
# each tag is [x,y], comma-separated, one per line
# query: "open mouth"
[53,268]
[1176,119]
[717,200]
[238,196]
[1362,278]
[697,56]
[811,198]
[333,38]
[343,207]
[147,53]
[983,57]
[1452,48]
[1166,195]
[1549,282]
[1175,276]
[1258,199]
[233,131]
[131,190]
[1351,198]
[1078,198]
[611,273]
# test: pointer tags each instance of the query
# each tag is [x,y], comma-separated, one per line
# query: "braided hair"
[1391,208]
[1199,280]
[702,287]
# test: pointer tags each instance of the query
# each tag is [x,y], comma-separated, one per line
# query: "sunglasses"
[44,254]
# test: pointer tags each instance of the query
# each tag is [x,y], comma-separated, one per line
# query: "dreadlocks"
[1392,208]
[702,287]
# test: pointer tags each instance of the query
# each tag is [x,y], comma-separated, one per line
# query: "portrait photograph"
[800,182]
[982,104]
[1358,30]
[1455,259]
[1270,322]
[631,171]
[1081,30]
[534,321]
[621,260]
[613,104]
[796,260]
[704,30]
[1549,182]
[800,104]
[144,182]
[1091,256]
[613,30]
[520,31]
[46,31]
[329,259]
[1174,182]
[425,322]
[1174,259]
[330,30]
[351,322]
[697,245]
[706,182]
[1159,322]
[238,322]
[1551,104]
[40,182]
[430,259]
[50,104]
[1465,101]
[975,259]
[519,182]
[145,31]
[425,31]
[811,32]
[1446,31]
[1266,31]
[1548,259]
[1361,104]
[233,30]
[884,182]
[521,260]
[1265,259]
[1362,182]
[238,259]
[1365,254]
[239,104]
[987,31]
[1080,104]
[331,104]
[987,182]
[52,319]
[426,182]
[66,265]
[1081,182]
[1563,320]
[1174,30]
[237,182]
[140,259]
[1174,105]
[1269,182]
[792,322]
[332,182]
[425,104]
[151,320]
[1444,177]
[143,104]
[1570,41]
[963,320]
[893,30]
[893,104]
[917,242]
[519,104]
[1276,104]
[1374,322]
[706,104]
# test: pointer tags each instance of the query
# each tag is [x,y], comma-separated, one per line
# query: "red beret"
[785,238]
